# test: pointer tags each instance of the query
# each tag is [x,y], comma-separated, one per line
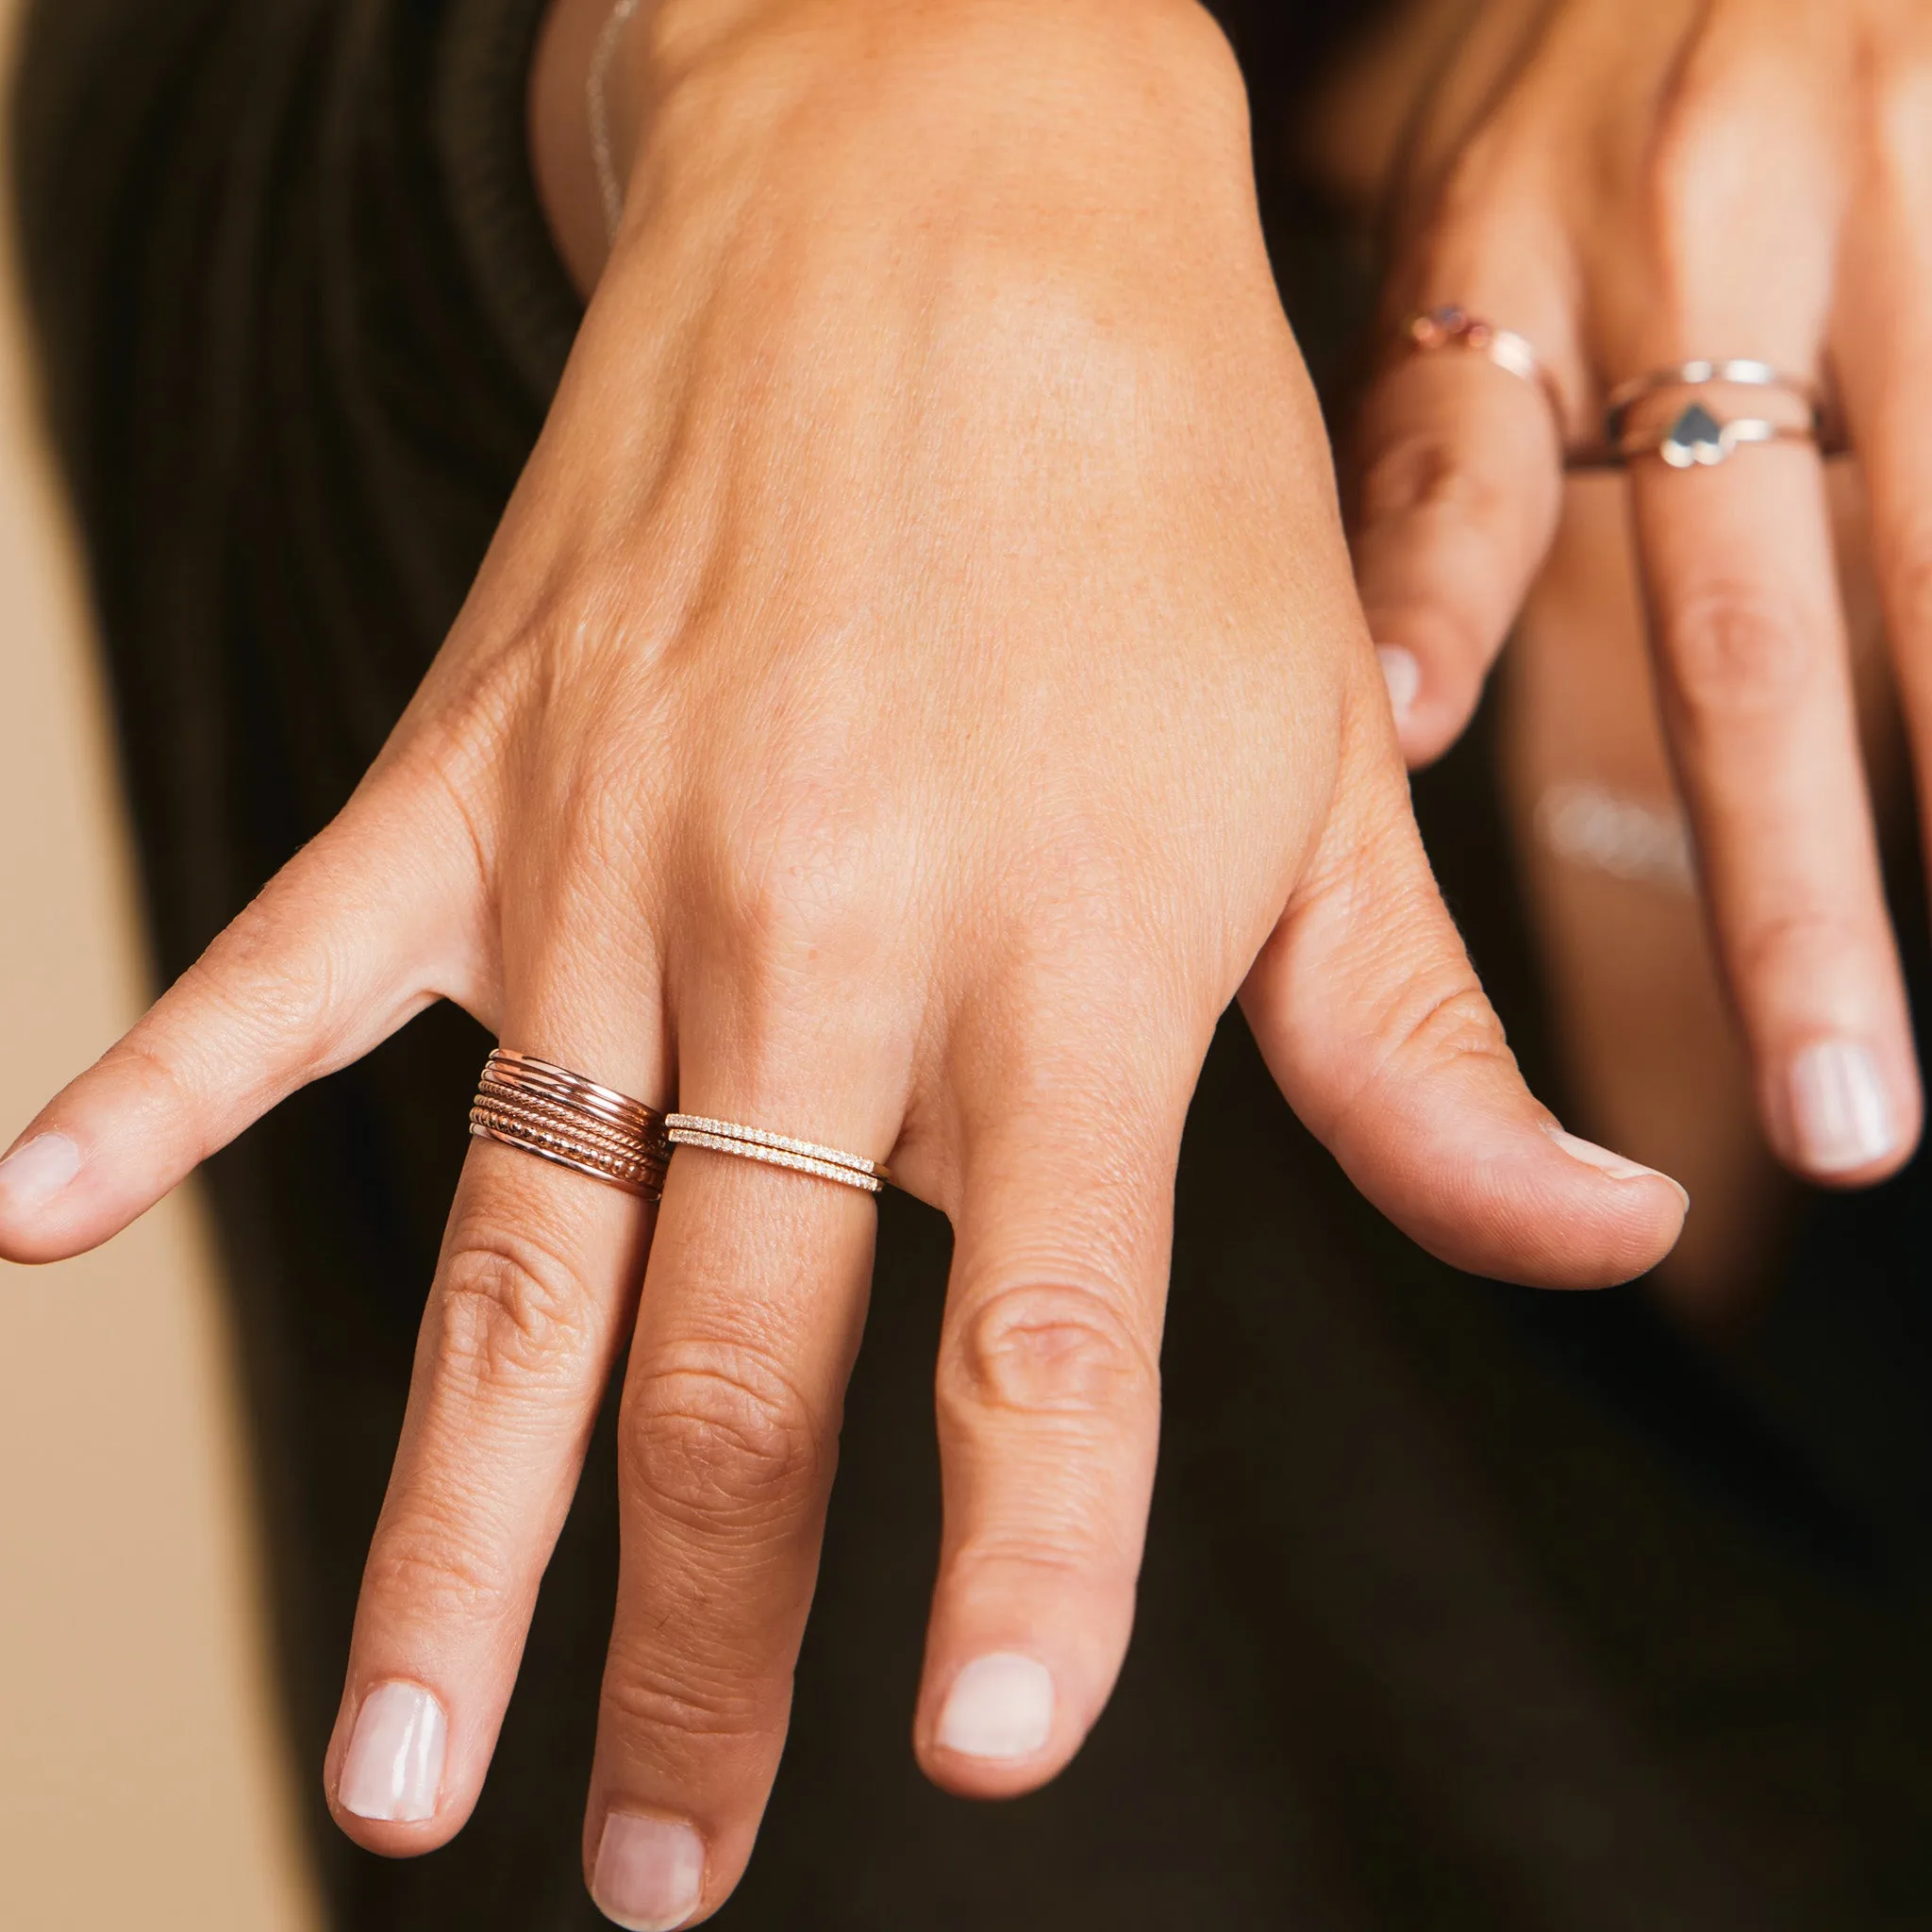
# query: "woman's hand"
[917,684]
[1629,189]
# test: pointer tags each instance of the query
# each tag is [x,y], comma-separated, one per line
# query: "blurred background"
[139,1778]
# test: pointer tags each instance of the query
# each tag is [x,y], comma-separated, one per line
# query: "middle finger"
[1753,669]
[1757,702]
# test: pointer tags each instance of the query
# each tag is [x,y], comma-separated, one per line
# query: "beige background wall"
[140,1782]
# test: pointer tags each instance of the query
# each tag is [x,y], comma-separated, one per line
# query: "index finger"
[1460,485]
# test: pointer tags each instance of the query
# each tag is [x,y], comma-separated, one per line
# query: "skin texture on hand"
[917,685]
[1631,188]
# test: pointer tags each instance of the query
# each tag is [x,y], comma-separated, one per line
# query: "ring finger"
[744,1340]
[1758,706]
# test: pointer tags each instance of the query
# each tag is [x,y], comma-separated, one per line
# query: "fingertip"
[1654,1204]
[1026,1644]
[392,1771]
[1402,671]
[1505,1192]
[1001,1729]
[1839,1120]
[649,1872]
[1431,695]
[42,1218]
[1618,1167]
[1604,1218]
[388,1781]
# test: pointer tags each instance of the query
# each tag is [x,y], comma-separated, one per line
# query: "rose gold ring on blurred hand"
[774,1150]
[1453,327]
[539,1107]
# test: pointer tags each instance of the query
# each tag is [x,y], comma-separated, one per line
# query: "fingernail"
[650,1872]
[999,1707]
[30,1176]
[1404,676]
[1839,1110]
[1615,1165]
[394,1767]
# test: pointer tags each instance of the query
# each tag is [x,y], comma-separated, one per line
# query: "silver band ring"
[1697,440]
[1745,371]
[775,1150]
[542,1108]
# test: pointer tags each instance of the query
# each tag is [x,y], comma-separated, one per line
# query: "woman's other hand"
[1630,189]
[917,685]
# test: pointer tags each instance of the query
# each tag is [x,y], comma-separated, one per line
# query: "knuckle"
[1899,122]
[1692,162]
[1046,1349]
[1458,1024]
[154,1061]
[1481,194]
[797,882]
[601,827]
[429,1566]
[510,1313]
[720,1442]
[601,818]
[1450,1025]
[1732,650]
[1798,948]
[1047,1561]
[271,990]
[1420,473]
[643,1696]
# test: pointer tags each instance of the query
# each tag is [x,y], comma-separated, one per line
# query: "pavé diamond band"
[774,1150]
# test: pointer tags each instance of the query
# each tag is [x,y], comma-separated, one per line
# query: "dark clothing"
[1463,1607]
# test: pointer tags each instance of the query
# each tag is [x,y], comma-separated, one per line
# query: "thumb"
[1458,485]
[1370,1017]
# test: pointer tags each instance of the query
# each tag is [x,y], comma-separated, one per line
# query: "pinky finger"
[348,941]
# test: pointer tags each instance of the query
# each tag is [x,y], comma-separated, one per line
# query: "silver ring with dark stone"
[1697,440]
[1697,437]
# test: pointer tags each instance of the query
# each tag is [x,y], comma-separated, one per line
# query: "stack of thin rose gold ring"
[774,1150]
[549,1111]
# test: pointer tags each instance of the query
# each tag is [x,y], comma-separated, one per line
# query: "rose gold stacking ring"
[557,1115]
[1449,327]
[774,1150]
